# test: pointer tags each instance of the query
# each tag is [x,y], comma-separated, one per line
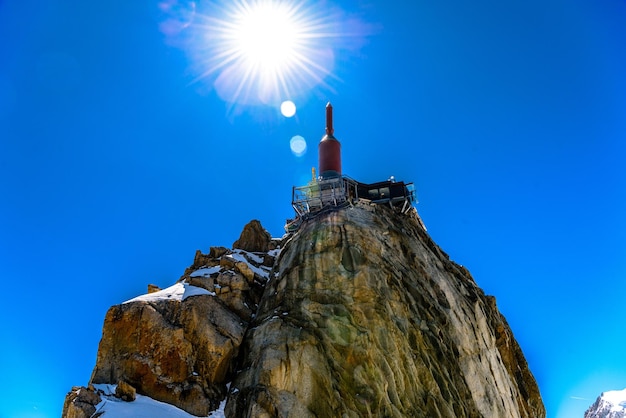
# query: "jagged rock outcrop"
[81,402]
[178,345]
[254,238]
[611,404]
[358,314]
[177,351]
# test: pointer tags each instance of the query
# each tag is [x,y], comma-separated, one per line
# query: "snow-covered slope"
[610,404]
[142,407]
[179,291]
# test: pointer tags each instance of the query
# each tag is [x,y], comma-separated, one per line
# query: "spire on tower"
[329,150]
[329,119]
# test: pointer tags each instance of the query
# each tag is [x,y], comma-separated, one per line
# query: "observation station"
[333,190]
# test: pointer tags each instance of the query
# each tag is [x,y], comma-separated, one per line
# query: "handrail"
[333,192]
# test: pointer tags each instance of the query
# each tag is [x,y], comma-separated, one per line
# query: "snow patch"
[244,256]
[274,253]
[617,399]
[195,291]
[219,412]
[237,254]
[179,292]
[205,272]
[143,407]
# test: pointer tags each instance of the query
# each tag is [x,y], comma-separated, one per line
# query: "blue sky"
[118,161]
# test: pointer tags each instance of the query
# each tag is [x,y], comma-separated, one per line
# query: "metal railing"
[319,194]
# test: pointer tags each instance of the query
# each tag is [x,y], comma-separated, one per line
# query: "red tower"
[329,150]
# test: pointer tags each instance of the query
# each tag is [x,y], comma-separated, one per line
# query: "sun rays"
[265,51]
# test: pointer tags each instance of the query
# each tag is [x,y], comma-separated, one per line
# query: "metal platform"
[335,192]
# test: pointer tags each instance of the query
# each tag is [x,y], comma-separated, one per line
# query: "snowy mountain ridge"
[611,404]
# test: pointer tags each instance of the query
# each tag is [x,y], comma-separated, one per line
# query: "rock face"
[179,352]
[254,238]
[610,404]
[358,314]
[179,345]
[368,317]
[80,402]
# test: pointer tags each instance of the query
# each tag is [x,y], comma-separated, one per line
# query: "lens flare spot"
[298,145]
[288,108]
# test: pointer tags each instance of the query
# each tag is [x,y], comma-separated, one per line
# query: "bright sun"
[265,51]
[267,36]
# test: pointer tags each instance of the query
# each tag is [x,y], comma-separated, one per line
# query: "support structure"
[332,190]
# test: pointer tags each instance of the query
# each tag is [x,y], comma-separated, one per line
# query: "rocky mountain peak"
[611,404]
[254,238]
[357,313]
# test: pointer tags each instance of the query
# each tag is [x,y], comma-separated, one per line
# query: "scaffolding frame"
[322,193]
[337,191]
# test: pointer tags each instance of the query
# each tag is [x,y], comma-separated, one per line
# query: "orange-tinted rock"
[254,238]
[178,352]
